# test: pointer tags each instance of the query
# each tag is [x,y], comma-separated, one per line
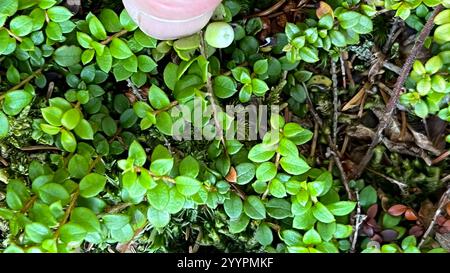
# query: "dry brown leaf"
[426,212]
[324,9]
[232,175]
[356,100]
[423,142]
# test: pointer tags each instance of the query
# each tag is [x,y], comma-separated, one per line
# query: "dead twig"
[401,185]
[442,202]
[268,11]
[390,107]
[359,220]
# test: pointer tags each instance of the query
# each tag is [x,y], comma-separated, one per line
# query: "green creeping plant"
[115,175]
[429,82]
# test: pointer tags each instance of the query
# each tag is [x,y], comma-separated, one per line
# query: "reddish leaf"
[440,220]
[372,211]
[368,230]
[410,215]
[448,208]
[377,238]
[443,230]
[446,224]
[371,222]
[416,231]
[232,175]
[397,210]
[389,235]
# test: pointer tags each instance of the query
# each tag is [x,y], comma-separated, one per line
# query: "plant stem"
[390,107]
[27,80]
[117,35]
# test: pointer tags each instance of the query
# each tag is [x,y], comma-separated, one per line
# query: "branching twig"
[401,185]
[269,11]
[359,220]
[335,101]
[390,107]
[442,202]
[211,97]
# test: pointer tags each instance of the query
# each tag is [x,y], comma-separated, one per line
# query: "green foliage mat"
[90,152]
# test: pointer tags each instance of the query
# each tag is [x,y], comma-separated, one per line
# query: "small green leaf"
[68,141]
[137,153]
[294,165]
[52,192]
[233,206]
[224,87]
[259,153]
[119,49]
[158,197]
[4,125]
[86,219]
[312,237]
[187,186]
[260,67]
[158,218]
[92,184]
[158,98]
[59,14]
[341,208]
[21,25]
[15,101]
[254,208]
[84,130]
[189,166]
[245,173]
[322,213]
[71,232]
[96,27]
[71,119]
[277,188]
[37,232]
[264,234]
[68,55]
[266,171]
[78,166]
[52,115]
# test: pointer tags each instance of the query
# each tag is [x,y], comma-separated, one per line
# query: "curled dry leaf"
[447,208]
[397,210]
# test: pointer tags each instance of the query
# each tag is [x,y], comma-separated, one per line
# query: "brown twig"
[401,185]
[116,35]
[4,162]
[390,107]
[441,157]
[335,101]
[27,80]
[442,202]
[39,148]
[268,11]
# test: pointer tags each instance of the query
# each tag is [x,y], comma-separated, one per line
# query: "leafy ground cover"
[102,150]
